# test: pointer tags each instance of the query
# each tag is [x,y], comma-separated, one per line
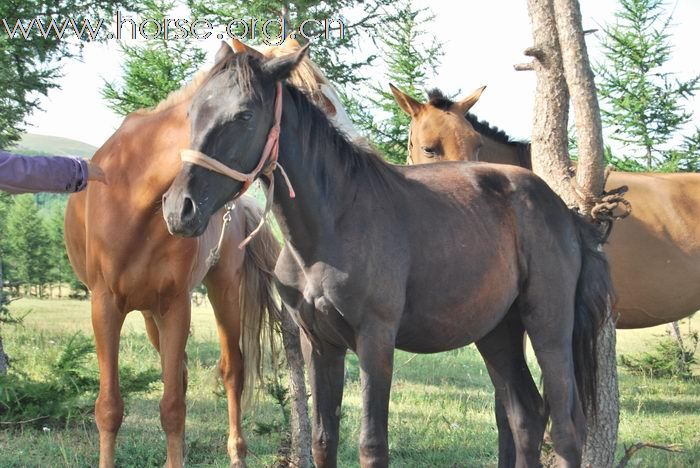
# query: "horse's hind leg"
[519,407]
[223,293]
[549,324]
[151,329]
[107,321]
[173,325]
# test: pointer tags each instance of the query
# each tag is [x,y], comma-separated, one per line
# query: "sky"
[481,43]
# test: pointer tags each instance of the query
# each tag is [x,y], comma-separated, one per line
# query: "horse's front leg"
[326,365]
[224,296]
[173,326]
[375,349]
[107,321]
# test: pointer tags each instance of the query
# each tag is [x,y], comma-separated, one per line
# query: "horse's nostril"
[188,209]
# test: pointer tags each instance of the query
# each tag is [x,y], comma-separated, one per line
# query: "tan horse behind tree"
[120,248]
[654,253]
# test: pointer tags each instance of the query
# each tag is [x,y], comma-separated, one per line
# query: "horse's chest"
[314,310]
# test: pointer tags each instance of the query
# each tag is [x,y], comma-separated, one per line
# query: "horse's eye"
[245,116]
[429,151]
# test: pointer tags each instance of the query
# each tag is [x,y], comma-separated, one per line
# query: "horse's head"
[439,131]
[231,116]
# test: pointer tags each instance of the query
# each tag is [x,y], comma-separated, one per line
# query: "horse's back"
[504,224]
[490,188]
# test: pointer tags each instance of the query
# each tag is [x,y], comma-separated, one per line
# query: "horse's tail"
[259,308]
[594,298]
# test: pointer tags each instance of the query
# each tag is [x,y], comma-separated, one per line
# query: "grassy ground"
[440,415]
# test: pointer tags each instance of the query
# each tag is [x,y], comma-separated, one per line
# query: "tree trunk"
[675,331]
[601,431]
[562,67]
[301,429]
[550,155]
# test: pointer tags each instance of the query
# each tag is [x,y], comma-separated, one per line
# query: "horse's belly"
[655,285]
[443,329]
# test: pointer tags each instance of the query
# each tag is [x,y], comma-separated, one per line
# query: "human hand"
[96,173]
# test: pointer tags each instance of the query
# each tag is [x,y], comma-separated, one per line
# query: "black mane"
[354,158]
[437,98]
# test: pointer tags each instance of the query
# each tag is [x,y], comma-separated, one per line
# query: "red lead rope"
[269,155]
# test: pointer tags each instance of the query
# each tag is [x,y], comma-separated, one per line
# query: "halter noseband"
[266,166]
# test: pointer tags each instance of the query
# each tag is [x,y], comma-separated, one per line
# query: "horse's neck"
[143,157]
[316,176]
[504,153]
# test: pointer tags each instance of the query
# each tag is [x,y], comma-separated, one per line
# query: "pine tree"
[154,69]
[27,243]
[643,103]
[4,317]
[60,270]
[412,56]
[5,205]
[29,65]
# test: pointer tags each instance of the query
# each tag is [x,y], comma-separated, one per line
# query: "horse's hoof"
[238,464]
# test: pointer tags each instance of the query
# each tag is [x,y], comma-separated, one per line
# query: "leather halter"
[266,166]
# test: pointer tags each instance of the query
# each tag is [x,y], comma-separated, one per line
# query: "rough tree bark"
[301,429]
[562,67]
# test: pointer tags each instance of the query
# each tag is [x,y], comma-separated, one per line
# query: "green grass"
[440,413]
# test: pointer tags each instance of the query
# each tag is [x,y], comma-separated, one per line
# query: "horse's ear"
[328,104]
[241,48]
[280,68]
[291,44]
[468,102]
[224,51]
[406,102]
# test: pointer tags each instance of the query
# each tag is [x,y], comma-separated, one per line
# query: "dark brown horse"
[121,249]
[654,253]
[423,258]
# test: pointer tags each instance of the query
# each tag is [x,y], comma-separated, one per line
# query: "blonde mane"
[177,96]
[306,76]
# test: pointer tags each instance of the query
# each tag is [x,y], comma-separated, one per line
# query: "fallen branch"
[631,450]
[19,423]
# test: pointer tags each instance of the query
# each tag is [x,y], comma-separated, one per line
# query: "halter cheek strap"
[266,166]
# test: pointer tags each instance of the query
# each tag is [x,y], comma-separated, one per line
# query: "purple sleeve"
[27,174]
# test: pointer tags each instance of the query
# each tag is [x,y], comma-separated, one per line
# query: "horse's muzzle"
[182,216]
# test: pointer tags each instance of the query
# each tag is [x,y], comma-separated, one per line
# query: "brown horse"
[120,248]
[420,258]
[654,253]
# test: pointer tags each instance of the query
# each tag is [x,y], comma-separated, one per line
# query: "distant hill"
[38,145]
